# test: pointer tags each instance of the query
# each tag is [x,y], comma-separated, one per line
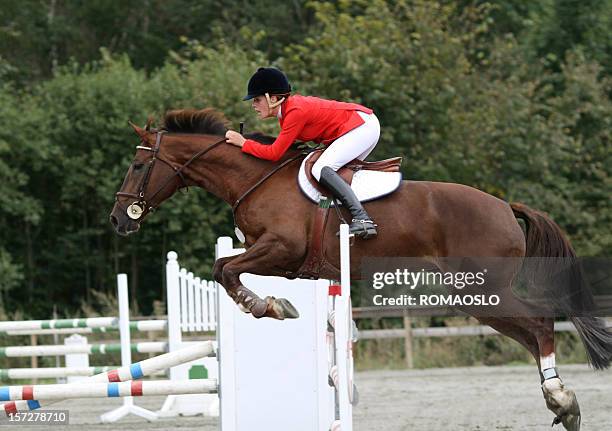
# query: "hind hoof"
[563,403]
[280,309]
[570,422]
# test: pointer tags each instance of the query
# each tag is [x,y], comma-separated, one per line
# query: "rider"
[350,131]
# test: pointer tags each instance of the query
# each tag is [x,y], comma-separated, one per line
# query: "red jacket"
[308,119]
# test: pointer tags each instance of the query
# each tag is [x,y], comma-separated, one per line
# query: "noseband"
[137,208]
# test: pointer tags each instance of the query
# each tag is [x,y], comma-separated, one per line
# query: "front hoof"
[280,309]
[288,310]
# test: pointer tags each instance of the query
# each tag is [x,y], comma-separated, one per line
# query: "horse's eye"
[138,166]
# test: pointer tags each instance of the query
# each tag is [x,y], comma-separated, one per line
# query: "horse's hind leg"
[261,259]
[509,328]
[537,335]
[559,400]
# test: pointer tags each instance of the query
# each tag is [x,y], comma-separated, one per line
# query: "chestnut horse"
[421,218]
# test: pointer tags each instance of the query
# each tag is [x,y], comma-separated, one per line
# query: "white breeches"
[356,144]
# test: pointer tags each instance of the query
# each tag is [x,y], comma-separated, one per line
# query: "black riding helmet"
[267,80]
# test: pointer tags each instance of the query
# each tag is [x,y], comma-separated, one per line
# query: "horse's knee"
[217,271]
[219,267]
[230,278]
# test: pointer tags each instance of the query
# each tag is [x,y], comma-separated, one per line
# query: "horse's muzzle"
[122,224]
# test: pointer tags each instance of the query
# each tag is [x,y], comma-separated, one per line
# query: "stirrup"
[363,228]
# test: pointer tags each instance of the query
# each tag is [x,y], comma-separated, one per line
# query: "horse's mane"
[205,121]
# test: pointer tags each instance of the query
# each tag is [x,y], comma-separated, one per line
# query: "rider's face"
[260,105]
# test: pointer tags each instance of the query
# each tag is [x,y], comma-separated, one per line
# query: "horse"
[421,218]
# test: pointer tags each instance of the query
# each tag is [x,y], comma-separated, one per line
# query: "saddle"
[369,181]
[350,169]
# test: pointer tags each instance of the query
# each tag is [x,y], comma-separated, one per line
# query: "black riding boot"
[361,225]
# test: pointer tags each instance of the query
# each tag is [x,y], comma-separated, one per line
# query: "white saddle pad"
[367,185]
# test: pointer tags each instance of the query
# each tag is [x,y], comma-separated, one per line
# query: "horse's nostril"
[114,221]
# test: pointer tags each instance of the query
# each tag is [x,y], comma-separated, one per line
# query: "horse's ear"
[149,123]
[140,132]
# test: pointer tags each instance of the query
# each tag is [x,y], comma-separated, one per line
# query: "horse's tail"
[544,238]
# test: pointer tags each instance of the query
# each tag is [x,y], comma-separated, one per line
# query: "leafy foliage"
[511,98]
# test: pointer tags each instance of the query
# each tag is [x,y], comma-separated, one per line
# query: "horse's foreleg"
[260,259]
[218,277]
[218,267]
[560,400]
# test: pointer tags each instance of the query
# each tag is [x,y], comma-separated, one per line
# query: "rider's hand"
[234,138]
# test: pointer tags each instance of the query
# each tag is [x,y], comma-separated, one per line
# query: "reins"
[261,181]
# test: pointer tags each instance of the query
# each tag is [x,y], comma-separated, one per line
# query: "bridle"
[137,208]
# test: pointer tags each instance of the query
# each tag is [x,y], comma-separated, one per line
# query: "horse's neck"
[223,171]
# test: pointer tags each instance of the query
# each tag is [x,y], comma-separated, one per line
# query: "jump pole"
[127,390]
[131,372]
[31,325]
[51,372]
[46,327]
[90,349]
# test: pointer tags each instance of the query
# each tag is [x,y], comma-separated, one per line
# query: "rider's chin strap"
[275,104]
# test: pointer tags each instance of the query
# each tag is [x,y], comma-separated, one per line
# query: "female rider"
[350,131]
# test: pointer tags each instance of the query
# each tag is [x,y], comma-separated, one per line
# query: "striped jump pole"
[134,388]
[133,371]
[54,372]
[90,349]
[92,322]
[51,372]
[78,326]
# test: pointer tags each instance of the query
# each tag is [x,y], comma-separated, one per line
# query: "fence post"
[34,359]
[75,360]
[408,340]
